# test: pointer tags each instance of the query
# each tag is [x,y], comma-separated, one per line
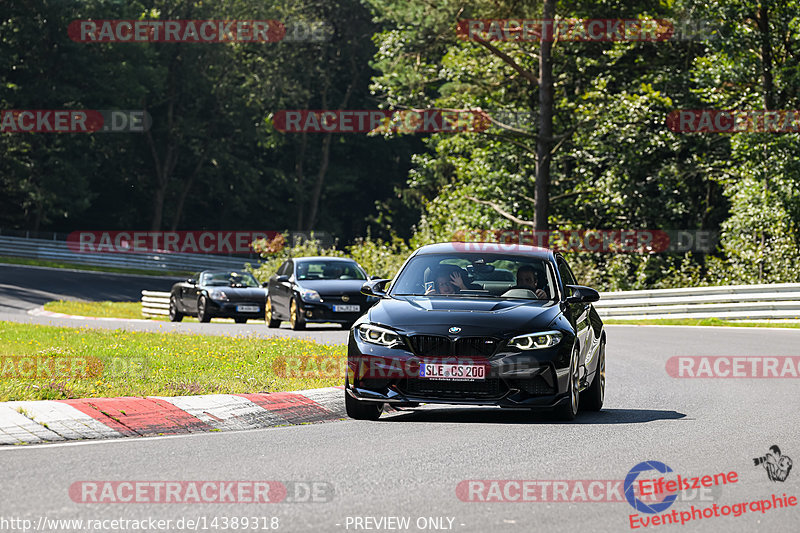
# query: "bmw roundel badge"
[454,329]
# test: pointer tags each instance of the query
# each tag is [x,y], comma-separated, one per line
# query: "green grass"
[86,363]
[703,322]
[92,268]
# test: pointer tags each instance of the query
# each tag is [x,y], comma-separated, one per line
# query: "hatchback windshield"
[321,269]
[475,275]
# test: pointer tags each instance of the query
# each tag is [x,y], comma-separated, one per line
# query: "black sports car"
[218,293]
[317,289]
[454,329]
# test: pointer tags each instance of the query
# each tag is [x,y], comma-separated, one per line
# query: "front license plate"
[447,371]
[346,308]
[247,309]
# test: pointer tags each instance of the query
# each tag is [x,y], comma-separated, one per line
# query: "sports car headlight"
[536,341]
[378,335]
[310,296]
[218,295]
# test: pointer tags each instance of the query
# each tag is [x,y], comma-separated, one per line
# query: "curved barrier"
[155,303]
[780,301]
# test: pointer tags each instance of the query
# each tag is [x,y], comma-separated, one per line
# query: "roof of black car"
[485,248]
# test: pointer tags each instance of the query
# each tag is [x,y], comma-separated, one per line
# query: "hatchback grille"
[439,346]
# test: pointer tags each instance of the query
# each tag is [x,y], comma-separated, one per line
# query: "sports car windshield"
[475,275]
[228,278]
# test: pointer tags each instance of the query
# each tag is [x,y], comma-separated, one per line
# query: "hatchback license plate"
[449,371]
[346,308]
[247,309]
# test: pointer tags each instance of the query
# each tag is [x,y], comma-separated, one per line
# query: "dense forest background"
[212,159]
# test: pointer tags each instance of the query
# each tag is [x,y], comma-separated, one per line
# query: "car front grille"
[487,388]
[439,346]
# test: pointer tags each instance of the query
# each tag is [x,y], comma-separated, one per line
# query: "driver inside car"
[529,278]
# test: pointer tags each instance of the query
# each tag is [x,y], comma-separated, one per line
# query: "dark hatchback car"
[456,328]
[218,294]
[317,289]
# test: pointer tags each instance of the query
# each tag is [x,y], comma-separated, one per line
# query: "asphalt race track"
[409,464]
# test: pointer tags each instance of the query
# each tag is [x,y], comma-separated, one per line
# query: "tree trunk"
[544,141]
[766,57]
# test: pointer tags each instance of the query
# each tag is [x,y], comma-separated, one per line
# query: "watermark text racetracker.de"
[566,490]
[702,366]
[197,242]
[639,241]
[74,121]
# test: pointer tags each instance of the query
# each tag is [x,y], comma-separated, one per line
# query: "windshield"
[476,275]
[229,278]
[321,269]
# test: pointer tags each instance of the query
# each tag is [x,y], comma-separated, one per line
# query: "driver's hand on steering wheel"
[540,294]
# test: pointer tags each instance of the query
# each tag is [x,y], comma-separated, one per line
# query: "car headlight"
[536,341]
[378,335]
[218,295]
[310,296]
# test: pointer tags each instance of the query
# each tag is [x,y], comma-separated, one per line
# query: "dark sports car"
[454,329]
[317,289]
[218,293]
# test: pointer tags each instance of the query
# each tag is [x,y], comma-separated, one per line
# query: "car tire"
[347,325]
[240,320]
[359,410]
[269,316]
[592,398]
[202,310]
[296,316]
[569,410]
[174,314]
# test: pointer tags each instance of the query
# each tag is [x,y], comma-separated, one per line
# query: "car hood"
[330,287]
[475,316]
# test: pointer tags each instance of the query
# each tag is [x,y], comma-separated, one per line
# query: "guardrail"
[53,250]
[779,301]
[155,303]
[731,302]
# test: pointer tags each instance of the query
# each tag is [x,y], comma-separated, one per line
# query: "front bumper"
[534,379]
[221,309]
[323,312]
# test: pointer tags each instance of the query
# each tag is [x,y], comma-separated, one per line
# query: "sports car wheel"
[592,398]
[272,322]
[202,310]
[362,410]
[569,410]
[296,316]
[174,314]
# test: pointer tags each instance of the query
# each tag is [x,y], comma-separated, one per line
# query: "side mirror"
[581,294]
[191,281]
[371,278]
[375,287]
[282,279]
[265,284]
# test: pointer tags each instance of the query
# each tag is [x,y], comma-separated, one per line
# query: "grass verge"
[47,362]
[111,310]
[702,322]
[92,268]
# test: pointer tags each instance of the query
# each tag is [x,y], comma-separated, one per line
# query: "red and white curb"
[30,422]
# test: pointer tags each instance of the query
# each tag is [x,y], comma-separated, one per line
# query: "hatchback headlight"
[536,341]
[310,296]
[218,295]
[378,335]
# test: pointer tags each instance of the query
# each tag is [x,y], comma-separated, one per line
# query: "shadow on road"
[515,416]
